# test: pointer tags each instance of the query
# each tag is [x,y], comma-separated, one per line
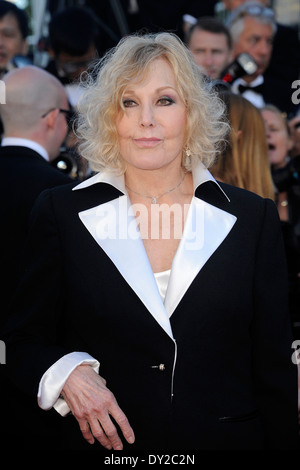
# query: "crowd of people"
[151,244]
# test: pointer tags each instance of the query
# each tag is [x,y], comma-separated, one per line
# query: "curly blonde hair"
[105,84]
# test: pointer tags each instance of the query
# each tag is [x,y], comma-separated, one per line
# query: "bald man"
[36,109]
[35,126]
[34,120]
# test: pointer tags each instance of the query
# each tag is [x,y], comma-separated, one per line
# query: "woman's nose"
[147,116]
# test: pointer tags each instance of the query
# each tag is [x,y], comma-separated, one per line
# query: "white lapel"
[205,228]
[114,228]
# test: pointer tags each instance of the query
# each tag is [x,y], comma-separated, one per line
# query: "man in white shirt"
[252,27]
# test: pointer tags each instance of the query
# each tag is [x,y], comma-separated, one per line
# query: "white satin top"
[162,280]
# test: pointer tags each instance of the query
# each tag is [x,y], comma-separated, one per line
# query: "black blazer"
[279,93]
[285,59]
[227,380]
[25,175]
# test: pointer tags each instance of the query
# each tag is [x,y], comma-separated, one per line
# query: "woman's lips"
[147,141]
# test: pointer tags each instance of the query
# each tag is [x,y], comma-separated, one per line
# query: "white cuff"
[55,377]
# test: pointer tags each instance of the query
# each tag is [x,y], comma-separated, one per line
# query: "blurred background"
[118,17]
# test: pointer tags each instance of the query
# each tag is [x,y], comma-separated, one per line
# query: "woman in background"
[286,177]
[245,162]
[279,145]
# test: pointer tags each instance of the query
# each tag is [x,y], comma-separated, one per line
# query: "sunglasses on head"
[251,10]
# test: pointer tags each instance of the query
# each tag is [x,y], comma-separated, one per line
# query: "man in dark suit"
[35,126]
[285,60]
[253,29]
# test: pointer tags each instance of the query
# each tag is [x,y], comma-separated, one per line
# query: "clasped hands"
[93,404]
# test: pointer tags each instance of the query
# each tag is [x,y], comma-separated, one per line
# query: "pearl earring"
[188,152]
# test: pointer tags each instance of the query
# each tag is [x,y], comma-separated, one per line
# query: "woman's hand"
[92,403]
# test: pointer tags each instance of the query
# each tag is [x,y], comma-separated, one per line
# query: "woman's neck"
[154,182]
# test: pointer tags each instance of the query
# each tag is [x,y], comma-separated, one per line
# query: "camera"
[243,65]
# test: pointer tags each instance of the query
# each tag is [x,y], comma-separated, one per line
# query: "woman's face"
[277,136]
[151,130]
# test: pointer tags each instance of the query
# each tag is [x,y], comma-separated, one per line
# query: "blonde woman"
[153,296]
[245,161]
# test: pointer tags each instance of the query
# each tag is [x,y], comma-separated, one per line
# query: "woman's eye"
[166,101]
[128,103]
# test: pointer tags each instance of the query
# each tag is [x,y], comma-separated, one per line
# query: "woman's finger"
[111,432]
[99,434]
[86,431]
[124,425]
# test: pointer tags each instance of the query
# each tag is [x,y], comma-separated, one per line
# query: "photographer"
[253,28]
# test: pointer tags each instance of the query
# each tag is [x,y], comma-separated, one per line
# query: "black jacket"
[228,381]
[25,175]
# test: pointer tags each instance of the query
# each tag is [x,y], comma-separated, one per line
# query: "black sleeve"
[31,331]
[274,372]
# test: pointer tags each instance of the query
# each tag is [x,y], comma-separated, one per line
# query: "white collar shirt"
[252,96]
[31,144]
